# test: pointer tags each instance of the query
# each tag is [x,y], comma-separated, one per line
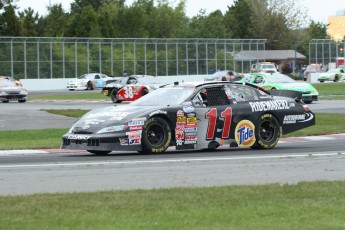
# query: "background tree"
[29,19]
[55,23]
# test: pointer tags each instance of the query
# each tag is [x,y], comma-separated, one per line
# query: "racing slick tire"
[307,101]
[336,78]
[89,86]
[5,101]
[267,132]
[156,136]
[21,101]
[144,92]
[113,96]
[99,153]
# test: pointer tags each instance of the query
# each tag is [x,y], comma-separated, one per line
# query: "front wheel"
[144,92]
[99,153]
[156,135]
[267,132]
[21,101]
[113,96]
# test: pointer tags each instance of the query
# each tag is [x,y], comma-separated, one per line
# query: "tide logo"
[245,133]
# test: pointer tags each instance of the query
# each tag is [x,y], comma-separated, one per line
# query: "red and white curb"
[282,140]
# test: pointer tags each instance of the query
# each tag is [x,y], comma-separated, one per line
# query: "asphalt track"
[49,171]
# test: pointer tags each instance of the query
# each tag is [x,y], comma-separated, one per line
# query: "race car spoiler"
[286,93]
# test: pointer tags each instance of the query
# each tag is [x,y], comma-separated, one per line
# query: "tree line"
[284,23]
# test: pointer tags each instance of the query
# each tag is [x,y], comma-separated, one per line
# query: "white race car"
[88,81]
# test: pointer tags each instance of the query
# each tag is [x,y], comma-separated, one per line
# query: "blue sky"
[318,10]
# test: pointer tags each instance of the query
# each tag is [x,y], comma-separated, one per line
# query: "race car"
[88,81]
[193,115]
[224,75]
[335,75]
[278,81]
[9,91]
[131,88]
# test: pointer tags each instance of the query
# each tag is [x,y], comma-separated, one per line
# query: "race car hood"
[13,90]
[98,119]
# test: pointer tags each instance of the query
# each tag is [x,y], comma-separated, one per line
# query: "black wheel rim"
[155,135]
[267,130]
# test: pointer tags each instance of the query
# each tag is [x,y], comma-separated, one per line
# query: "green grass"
[306,205]
[330,88]
[31,139]
[51,138]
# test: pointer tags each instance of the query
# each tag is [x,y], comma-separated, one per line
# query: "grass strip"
[306,205]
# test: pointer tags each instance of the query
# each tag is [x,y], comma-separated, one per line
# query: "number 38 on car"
[192,116]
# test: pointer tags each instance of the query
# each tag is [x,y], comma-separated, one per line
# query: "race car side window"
[243,93]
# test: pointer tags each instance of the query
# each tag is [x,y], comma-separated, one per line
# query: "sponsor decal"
[123,141]
[138,127]
[179,135]
[134,141]
[179,129]
[191,129]
[135,136]
[136,122]
[190,142]
[191,134]
[114,115]
[78,137]
[188,109]
[245,133]
[191,120]
[181,119]
[180,113]
[181,124]
[191,115]
[158,112]
[93,122]
[179,142]
[139,119]
[191,138]
[261,106]
[292,119]
[136,132]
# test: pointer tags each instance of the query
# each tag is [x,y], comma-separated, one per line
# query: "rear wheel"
[267,132]
[336,78]
[156,135]
[99,153]
[5,101]
[113,96]
[21,101]
[144,92]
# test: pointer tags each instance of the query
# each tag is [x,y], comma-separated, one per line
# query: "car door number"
[211,115]
[128,92]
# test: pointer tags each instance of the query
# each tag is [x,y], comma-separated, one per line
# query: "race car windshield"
[164,97]
[6,83]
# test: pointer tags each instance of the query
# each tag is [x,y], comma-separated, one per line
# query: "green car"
[277,81]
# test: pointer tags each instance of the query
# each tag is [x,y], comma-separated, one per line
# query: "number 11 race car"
[192,116]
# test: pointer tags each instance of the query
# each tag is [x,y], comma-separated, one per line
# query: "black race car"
[192,116]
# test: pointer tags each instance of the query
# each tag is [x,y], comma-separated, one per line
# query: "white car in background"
[332,75]
[88,81]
